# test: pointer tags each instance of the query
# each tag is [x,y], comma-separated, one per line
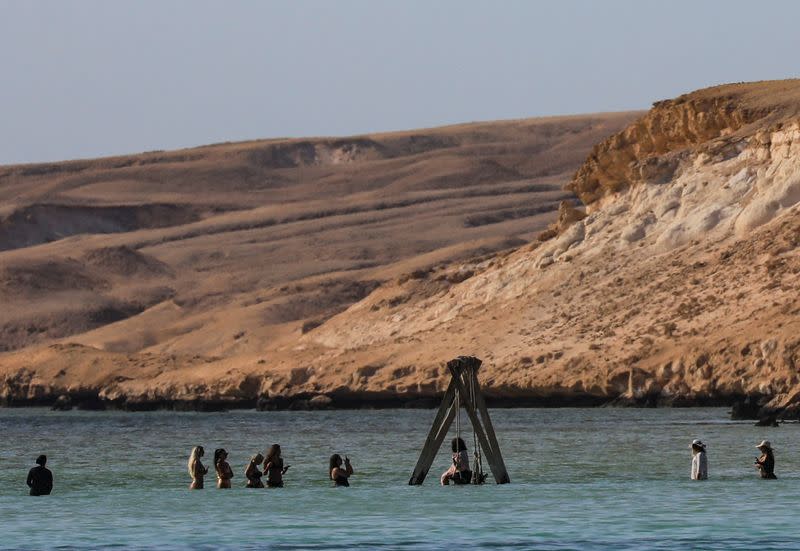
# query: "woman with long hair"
[766,462]
[252,473]
[459,472]
[338,474]
[196,469]
[274,468]
[223,468]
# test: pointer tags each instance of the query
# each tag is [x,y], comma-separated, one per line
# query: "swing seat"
[479,478]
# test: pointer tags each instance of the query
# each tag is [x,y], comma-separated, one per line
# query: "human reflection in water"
[40,479]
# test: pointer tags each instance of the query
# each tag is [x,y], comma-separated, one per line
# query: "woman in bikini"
[224,471]
[196,469]
[274,467]
[339,475]
[252,473]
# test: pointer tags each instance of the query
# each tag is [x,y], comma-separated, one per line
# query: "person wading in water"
[252,473]
[224,471]
[459,472]
[196,469]
[40,479]
[339,475]
[699,461]
[274,468]
[766,463]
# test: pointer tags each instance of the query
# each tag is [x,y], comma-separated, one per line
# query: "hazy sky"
[90,78]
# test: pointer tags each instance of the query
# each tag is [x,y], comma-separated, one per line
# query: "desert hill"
[678,287]
[197,274]
[676,283]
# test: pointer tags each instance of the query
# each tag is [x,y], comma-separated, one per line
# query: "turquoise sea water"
[581,479]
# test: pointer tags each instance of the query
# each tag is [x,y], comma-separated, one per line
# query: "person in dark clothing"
[40,479]
[339,475]
[459,472]
[766,463]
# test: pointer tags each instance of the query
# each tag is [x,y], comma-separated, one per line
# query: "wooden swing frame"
[464,372]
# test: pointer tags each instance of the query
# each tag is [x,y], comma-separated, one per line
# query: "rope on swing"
[458,415]
[478,477]
[457,405]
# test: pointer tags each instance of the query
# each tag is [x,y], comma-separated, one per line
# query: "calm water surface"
[581,479]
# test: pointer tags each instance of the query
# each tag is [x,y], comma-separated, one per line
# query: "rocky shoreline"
[675,287]
[743,407]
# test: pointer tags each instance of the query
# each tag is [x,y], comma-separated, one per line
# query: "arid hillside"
[675,283]
[199,276]
[678,285]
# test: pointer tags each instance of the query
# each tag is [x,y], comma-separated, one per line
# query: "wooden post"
[464,375]
[441,424]
[487,421]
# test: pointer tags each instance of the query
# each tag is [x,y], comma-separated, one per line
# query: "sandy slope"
[196,273]
[680,286]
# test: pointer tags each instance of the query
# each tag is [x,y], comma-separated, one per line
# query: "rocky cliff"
[678,285]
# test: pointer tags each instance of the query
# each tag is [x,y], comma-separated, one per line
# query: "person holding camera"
[339,475]
[766,462]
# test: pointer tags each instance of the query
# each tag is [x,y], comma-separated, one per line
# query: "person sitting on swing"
[459,472]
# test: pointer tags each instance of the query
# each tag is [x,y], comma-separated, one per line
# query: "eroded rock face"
[677,286]
[706,199]
[651,148]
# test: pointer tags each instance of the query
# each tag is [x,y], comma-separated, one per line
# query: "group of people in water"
[339,470]
[274,468]
[765,463]
[459,472]
[40,478]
